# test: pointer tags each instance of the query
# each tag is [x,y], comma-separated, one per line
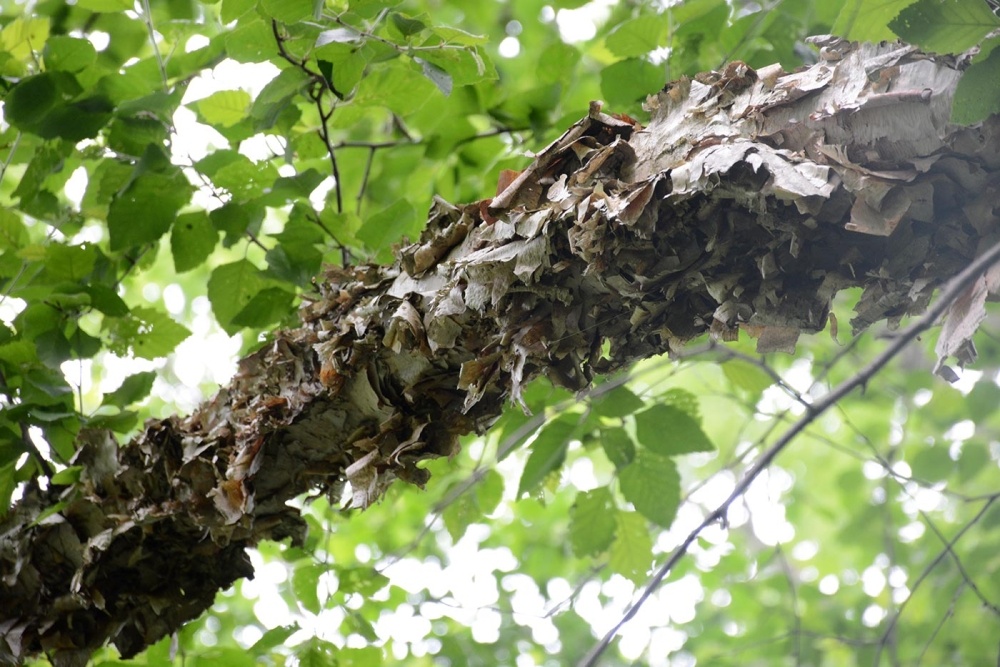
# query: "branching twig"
[894,619]
[951,292]
[320,84]
[949,612]
[796,614]
[969,581]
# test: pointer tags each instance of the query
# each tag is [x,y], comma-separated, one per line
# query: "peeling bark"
[750,200]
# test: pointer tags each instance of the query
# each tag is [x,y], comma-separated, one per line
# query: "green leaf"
[122,422]
[238,175]
[7,485]
[456,67]
[235,218]
[618,446]
[474,506]
[868,20]
[288,11]
[982,401]
[977,95]
[267,306]
[134,136]
[67,476]
[53,105]
[342,64]
[105,5]
[932,463]
[619,402]
[629,81]
[638,36]
[70,263]
[387,226]
[369,656]
[193,237]
[316,653]
[296,263]
[975,459]
[24,35]
[548,451]
[395,87]
[667,430]
[61,436]
[233,9]
[592,522]
[106,300]
[274,637]
[290,188]
[651,483]
[631,552]
[146,333]
[407,25]
[250,42]
[437,76]
[71,54]
[224,108]
[276,96]
[457,517]
[945,27]
[231,288]
[18,352]
[363,580]
[557,62]
[489,492]
[13,233]
[305,584]
[747,377]
[132,389]
[145,208]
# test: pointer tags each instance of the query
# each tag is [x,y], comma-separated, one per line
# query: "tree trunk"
[750,200]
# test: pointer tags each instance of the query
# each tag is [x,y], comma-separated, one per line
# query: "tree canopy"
[257,173]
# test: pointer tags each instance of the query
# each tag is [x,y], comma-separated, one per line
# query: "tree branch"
[948,296]
[742,205]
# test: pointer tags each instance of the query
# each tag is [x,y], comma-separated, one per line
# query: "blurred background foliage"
[175,172]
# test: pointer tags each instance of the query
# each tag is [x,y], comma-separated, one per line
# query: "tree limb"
[750,200]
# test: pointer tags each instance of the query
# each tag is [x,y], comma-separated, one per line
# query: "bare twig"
[894,619]
[364,180]
[952,291]
[949,612]
[147,15]
[786,568]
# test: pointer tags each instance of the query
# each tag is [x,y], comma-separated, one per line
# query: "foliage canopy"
[173,168]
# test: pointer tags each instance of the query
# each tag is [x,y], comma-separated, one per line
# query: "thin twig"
[147,14]
[894,619]
[969,581]
[364,180]
[10,156]
[949,612]
[951,292]
[796,614]
[320,84]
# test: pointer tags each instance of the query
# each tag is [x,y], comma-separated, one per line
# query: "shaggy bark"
[750,200]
